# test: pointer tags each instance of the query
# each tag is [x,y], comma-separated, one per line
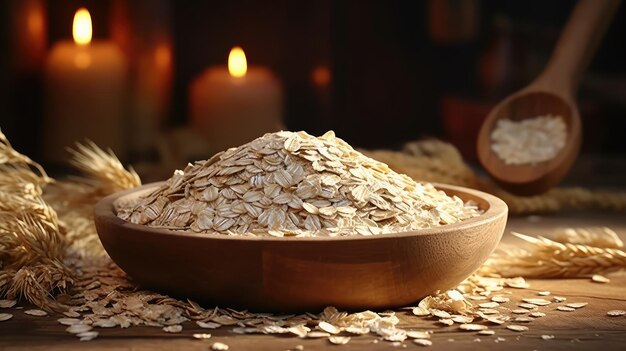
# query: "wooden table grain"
[584,329]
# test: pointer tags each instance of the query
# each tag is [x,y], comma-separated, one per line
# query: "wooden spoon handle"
[577,45]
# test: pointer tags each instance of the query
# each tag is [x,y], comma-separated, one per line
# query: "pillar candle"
[231,106]
[85,86]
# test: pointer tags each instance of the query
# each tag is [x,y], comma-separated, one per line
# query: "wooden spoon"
[553,92]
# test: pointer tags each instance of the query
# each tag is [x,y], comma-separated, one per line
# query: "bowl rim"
[105,211]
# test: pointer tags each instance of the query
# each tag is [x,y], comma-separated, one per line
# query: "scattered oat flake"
[329,328]
[446,321]
[71,314]
[419,311]
[497,320]
[218,346]
[520,311]
[390,334]
[300,330]
[339,340]
[477,340]
[7,303]
[500,299]
[477,297]
[104,323]
[299,347]
[488,304]
[358,331]
[173,328]
[5,317]
[537,314]
[78,328]
[414,334]
[247,330]
[462,319]
[472,327]
[87,336]
[486,332]
[577,305]
[528,306]
[439,313]
[518,283]
[538,302]
[616,313]
[600,279]
[201,336]
[225,320]
[38,313]
[543,293]
[489,311]
[517,328]
[522,320]
[422,342]
[208,325]
[68,321]
[547,337]
[565,309]
[317,334]
[559,298]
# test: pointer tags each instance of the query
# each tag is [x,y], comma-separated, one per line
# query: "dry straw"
[73,199]
[573,253]
[438,161]
[32,245]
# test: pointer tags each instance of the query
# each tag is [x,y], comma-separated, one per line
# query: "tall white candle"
[232,106]
[85,93]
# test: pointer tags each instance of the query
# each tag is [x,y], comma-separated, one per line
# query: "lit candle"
[231,106]
[85,93]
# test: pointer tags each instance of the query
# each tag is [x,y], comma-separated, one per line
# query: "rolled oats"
[529,141]
[5,317]
[294,184]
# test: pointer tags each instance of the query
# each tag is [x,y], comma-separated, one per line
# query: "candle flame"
[81,29]
[237,65]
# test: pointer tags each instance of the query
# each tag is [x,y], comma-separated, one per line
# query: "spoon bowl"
[530,179]
[552,93]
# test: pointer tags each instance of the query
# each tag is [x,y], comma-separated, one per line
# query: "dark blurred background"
[379,73]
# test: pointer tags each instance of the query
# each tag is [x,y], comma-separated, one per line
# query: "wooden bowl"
[302,274]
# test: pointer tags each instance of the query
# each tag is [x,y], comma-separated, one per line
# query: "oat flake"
[294,184]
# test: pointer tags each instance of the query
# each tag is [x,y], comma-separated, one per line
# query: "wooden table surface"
[583,329]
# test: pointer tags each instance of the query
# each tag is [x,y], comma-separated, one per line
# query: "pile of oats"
[295,184]
[529,141]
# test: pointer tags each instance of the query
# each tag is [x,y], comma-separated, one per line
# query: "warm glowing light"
[35,21]
[163,55]
[82,60]
[81,29]
[237,65]
[321,76]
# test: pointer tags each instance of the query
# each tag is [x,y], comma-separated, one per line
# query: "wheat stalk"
[31,242]
[553,259]
[103,167]
[73,199]
[592,236]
